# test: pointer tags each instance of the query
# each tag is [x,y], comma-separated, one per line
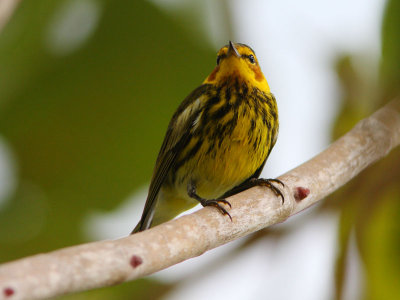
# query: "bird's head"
[238,62]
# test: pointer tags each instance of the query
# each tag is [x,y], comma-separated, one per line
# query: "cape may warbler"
[217,142]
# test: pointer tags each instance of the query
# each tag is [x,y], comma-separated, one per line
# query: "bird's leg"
[191,190]
[254,182]
[268,183]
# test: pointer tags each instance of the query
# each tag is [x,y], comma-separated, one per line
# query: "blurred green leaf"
[381,248]
[390,63]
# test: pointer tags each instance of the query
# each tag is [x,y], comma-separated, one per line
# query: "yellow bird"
[217,142]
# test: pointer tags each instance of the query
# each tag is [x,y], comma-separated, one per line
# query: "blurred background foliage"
[84,126]
[84,120]
[370,204]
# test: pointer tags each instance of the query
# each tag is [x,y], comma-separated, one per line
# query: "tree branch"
[111,262]
[7,8]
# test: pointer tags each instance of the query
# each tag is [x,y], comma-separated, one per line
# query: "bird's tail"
[137,228]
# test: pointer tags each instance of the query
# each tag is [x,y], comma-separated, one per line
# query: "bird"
[217,141]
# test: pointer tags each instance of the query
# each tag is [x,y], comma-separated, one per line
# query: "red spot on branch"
[8,292]
[300,193]
[136,261]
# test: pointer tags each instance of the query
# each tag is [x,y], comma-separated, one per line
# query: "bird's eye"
[252,59]
[218,59]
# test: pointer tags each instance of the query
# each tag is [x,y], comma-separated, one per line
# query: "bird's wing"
[176,138]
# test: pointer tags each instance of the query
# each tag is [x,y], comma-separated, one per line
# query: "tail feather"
[137,228]
[145,222]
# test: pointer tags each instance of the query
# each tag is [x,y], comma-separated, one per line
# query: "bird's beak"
[232,50]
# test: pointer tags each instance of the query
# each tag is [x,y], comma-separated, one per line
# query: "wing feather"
[176,139]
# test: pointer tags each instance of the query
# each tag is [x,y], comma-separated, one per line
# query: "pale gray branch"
[106,263]
[7,8]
